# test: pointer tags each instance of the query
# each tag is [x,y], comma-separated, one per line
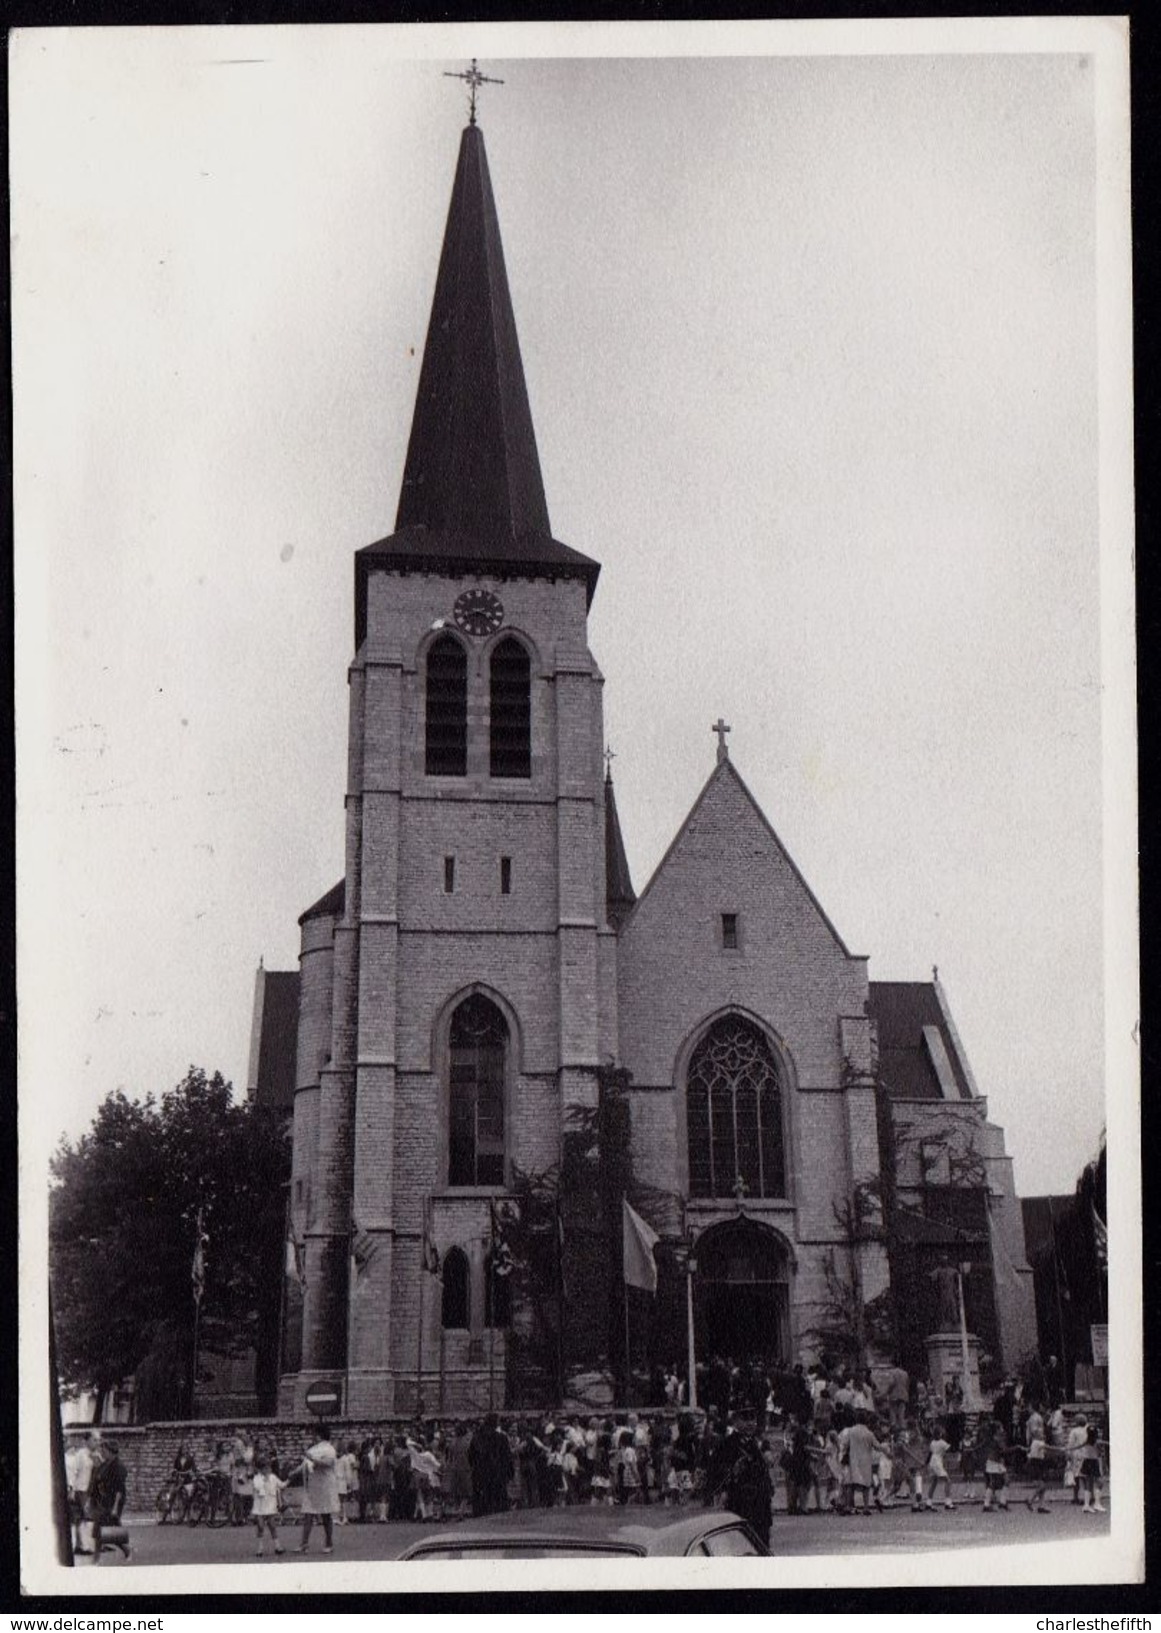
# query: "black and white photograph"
[576,798]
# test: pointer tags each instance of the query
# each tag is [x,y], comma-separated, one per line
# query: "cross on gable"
[473,78]
[721,728]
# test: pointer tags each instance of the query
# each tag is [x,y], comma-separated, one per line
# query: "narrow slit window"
[729,930]
[505,875]
[449,875]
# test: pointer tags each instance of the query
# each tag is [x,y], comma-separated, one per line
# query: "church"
[810,1146]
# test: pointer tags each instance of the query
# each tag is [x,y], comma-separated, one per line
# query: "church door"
[742,1295]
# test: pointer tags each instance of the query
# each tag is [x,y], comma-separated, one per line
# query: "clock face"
[478,612]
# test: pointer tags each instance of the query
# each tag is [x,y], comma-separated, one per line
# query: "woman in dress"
[320,1498]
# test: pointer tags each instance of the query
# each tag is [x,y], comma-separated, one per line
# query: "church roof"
[619,892]
[472,495]
[275,1039]
[329,906]
[723,770]
[909,1016]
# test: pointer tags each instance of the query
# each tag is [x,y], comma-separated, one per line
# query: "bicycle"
[210,1501]
[174,1498]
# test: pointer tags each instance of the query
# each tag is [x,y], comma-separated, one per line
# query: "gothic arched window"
[478,1044]
[456,1295]
[734,1114]
[446,745]
[497,1290]
[510,749]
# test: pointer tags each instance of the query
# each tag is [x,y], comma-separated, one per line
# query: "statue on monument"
[946,1280]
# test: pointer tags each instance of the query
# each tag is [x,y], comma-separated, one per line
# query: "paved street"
[897,1530]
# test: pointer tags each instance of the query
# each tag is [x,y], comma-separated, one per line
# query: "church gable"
[728,921]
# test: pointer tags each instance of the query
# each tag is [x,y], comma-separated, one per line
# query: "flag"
[640,1269]
[1100,1234]
[429,1251]
[560,1248]
[295,1259]
[363,1247]
[198,1268]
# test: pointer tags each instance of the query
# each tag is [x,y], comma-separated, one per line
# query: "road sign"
[324,1399]
[1099,1333]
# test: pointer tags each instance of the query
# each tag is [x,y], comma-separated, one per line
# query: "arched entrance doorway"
[742,1294]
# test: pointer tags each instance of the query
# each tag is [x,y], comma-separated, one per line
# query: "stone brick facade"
[460,884]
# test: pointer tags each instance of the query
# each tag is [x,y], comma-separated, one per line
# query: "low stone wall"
[148,1451]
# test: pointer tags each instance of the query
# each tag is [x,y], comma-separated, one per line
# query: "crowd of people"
[835,1439]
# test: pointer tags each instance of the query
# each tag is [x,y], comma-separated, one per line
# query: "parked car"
[565,1533]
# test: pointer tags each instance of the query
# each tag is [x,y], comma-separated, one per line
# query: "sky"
[811,344]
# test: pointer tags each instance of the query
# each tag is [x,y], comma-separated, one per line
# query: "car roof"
[649,1530]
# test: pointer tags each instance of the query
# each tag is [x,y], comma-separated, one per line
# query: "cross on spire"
[473,78]
[721,728]
[610,756]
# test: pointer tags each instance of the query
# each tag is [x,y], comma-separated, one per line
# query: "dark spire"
[472,493]
[619,893]
[472,465]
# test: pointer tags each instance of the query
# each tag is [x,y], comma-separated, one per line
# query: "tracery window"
[510,746]
[456,1295]
[478,1045]
[734,1114]
[446,741]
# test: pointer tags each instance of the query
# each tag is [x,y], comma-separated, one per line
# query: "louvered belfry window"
[446,746]
[734,1114]
[511,734]
[478,1044]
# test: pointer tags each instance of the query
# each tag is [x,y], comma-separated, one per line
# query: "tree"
[125,1206]
[564,1241]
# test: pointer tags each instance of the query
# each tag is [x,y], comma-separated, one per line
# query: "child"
[1037,1468]
[883,1473]
[570,1471]
[264,1512]
[937,1474]
[682,1456]
[834,1472]
[350,1459]
[426,1467]
[602,1470]
[628,1471]
[911,1460]
[1090,1472]
[342,1485]
[995,1469]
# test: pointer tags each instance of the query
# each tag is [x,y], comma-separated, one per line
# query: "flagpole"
[198,1280]
[559,1303]
[282,1290]
[691,1357]
[193,1382]
[490,1288]
[628,1371]
[419,1334]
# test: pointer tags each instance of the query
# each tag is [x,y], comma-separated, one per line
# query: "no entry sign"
[324,1399]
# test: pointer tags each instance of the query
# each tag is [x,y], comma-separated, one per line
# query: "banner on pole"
[639,1266]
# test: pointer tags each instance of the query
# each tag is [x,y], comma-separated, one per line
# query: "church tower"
[458,985]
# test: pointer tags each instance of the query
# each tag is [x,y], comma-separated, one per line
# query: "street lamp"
[969,1390]
[683,1252]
